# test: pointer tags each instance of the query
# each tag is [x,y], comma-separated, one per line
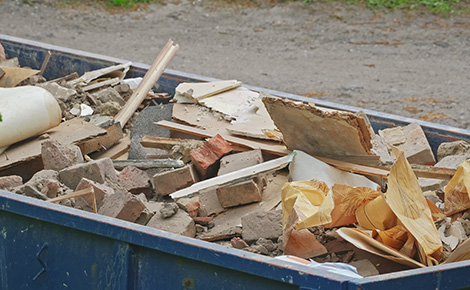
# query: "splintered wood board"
[193,92]
[75,131]
[318,131]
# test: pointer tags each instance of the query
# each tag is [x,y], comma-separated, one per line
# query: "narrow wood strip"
[78,193]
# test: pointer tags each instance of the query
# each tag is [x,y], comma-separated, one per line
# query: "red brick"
[200,220]
[238,194]
[168,182]
[135,181]
[206,158]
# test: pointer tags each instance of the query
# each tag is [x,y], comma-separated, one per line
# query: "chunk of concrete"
[412,140]
[56,156]
[122,205]
[170,181]
[11,181]
[266,225]
[206,158]
[168,210]
[109,94]
[453,148]
[180,223]
[450,162]
[237,161]
[59,92]
[190,205]
[135,181]
[101,170]
[86,202]
[238,194]
[43,185]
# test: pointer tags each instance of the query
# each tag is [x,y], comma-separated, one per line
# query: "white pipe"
[26,112]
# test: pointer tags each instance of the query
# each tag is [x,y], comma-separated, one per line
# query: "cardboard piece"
[318,131]
[74,131]
[457,191]
[405,198]
[15,75]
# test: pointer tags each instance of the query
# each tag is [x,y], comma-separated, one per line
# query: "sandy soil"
[414,64]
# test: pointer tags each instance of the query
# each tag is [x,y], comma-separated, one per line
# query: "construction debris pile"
[244,169]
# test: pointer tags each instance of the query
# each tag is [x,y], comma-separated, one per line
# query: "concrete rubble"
[244,210]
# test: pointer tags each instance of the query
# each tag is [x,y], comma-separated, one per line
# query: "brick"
[101,190]
[9,182]
[180,223]
[98,170]
[206,158]
[144,217]
[203,220]
[190,205]
[266,225]
[122,205]
[210,204]
[168,182]
[43,185]
[51,188]
[304,244]
[412,140]
[237,161]
[238,194]
[56,156]
[135,181]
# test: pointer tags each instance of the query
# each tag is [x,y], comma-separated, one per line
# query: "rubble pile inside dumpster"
[222,163]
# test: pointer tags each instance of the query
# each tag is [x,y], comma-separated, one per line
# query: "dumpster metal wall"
[49,246]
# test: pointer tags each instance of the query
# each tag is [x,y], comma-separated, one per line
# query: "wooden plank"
[118,149]
[279,150]
[113,135]
[45,62]
[150,78]
[73,131]
[86,191]
[235,177]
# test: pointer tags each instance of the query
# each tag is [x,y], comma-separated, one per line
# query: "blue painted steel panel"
[48,246]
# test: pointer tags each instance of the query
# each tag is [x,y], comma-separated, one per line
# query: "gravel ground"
[412,64]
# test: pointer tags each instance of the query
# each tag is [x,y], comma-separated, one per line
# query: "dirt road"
[414,64]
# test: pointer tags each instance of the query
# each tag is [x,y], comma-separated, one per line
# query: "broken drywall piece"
[193,92]
[118,71]
[306,167]
[15,75]
[237,104]
[319,131]
[236,176]
[412,141]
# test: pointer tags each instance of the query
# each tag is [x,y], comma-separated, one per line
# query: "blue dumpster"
[49,246]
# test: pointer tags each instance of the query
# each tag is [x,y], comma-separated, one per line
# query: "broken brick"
[122,205]
[135,181]
[168,182]
[210,204]
[100,190]
[9,182]
[190,205]
[56,156]
[98,170]
[206,158]
[238,194]
[202,220]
